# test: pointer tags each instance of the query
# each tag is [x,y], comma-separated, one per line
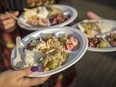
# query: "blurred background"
[95,69]
[104,8]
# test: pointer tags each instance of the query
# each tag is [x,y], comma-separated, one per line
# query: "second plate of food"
[100,33]
[52,50]
[47,17]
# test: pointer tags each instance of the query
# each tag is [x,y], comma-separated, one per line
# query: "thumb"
[27,71]
[93,15]
[16,13]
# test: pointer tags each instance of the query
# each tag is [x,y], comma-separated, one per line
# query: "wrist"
[10,30]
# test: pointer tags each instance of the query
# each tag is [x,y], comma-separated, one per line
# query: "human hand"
[18,78]
[7,22]
[93,15]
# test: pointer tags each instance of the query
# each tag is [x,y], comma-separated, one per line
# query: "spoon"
[18,62]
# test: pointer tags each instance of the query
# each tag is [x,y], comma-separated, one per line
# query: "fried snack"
[29,13]
[88,28]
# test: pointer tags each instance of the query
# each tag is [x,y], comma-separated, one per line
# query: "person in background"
[12,78]
[7,26]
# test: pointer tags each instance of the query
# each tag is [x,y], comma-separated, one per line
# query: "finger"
[16,13]
[27,71]
[8,26]
[37,81]
[7,21]
[93,15]
[24,72]
[5,16]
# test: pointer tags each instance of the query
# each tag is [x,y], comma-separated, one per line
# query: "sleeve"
[2,68]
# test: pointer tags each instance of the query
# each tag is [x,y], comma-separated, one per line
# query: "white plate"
[68,9]
[74,56]
[109,49]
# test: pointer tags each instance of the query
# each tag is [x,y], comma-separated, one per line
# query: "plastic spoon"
[18,62]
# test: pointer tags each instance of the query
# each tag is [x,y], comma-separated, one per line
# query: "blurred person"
[13,78]
[7,26]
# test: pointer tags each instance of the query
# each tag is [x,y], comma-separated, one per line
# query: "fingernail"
[34,68]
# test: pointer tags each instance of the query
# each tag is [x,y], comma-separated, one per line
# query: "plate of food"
[47,17]
[101,34]
[52,50]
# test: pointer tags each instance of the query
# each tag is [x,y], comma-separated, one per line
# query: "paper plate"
[113,28]
[66,9]
[74,56]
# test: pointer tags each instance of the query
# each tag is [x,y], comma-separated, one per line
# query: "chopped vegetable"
[49,36]
[63,38]
[50,64]
[103,44]
[34,42]
[49,51]
[57,43]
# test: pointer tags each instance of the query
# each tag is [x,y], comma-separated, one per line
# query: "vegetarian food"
[112,39]
[59,18]
[104,27]
[99,33]
[91,28]
[88,28]
[103,44]
[44,16]
[97,42]
[49,51]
